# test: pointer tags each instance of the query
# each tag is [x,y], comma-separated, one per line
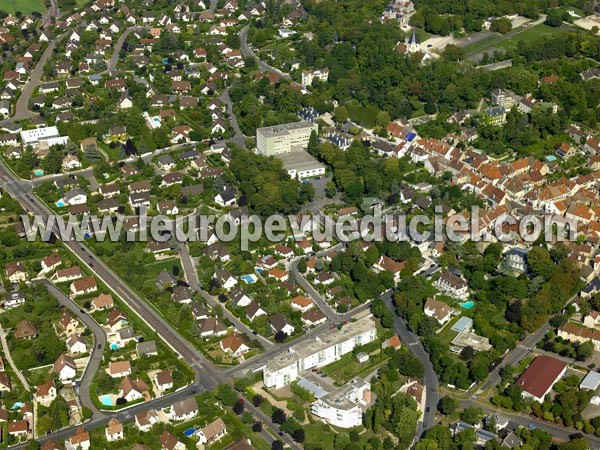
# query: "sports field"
[25,6]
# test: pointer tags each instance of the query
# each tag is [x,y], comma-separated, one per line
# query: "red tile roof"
[541,375]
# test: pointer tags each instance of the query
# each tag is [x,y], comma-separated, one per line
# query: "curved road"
[207,377]
[247,52]
[97,349]
[430,381]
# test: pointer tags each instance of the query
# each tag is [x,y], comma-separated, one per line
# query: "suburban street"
[248,53]
[97,348]
[192,278]
[431,382]
[311,291]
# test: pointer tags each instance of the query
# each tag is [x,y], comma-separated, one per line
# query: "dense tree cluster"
[267,186]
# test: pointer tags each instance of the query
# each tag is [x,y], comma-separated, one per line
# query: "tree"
[467,353]
[238,408]
[471,415]
[277,445]
[354,435]
[427,326]
[539,261]
[227,395]
[502,25]
[280,337]
[34,445]
[447,405]
[298,435]
[302,265]
[584,351]
[257,427]
[341,114]
[278,416]
[257,400]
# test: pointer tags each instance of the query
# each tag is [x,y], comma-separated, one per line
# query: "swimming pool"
[467,305]
[189,432]
[17,405]
[106,400]
[249,279]
[38,172]
[258,270]
[114,346]
[60,204]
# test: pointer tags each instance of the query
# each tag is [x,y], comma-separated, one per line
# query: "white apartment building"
[47,135]
[344,407]
[283,138]
[325,349]
[318,74]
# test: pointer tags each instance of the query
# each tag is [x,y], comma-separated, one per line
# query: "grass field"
[25,6]
[363,115]
[509,42]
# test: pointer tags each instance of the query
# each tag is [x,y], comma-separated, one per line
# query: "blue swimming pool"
[249,279]
[258,270]
[106,400]
[38,172]
[189,432]
[114,347]
[60,204]
[467,305]
[17,405]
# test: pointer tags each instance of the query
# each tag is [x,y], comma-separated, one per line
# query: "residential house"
[453,285]
[212,432]
[234,345]
[146,419]
[84,286]
[114,430]
[65,368]
[76,345]
[119,369]
[45,393]
[439,310]
[184,410]
[163,380]
[254,310]
[25,330]
[169,442]
[132,390]
[15,272]
[279,323]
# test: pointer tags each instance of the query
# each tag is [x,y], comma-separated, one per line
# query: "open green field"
[512,39]
[364,115]
[24,6]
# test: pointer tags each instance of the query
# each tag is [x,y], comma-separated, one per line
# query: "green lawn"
[348,367]
[24,6]
[364,115]
[495,42]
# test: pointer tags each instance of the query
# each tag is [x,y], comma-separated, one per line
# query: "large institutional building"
[325,349]
[48,136]
[272,141]
[344,407]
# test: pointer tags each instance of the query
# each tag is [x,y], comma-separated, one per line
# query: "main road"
[207,376]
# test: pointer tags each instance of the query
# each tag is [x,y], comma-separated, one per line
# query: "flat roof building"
[284,138]
[47,135]
[301,164]
[344,407]
[323,350]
